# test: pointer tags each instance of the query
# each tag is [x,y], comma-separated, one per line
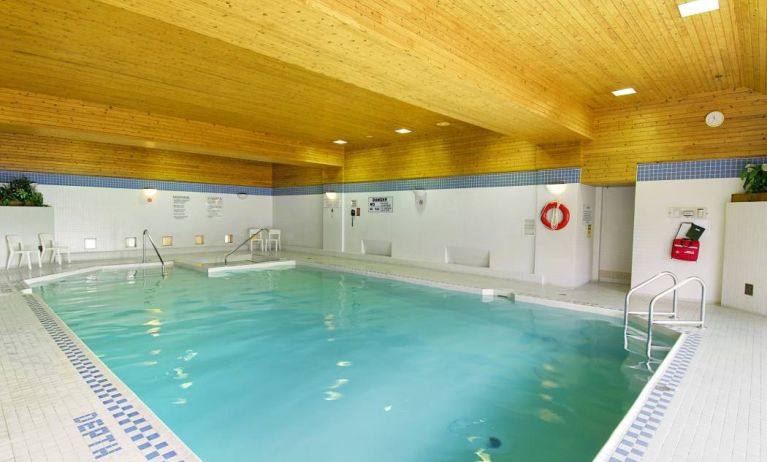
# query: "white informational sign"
[215,206]
[354,203]
[383,204]
[180,210]
[588,215]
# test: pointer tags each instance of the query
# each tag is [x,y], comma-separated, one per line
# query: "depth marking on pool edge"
[147,440]
[636,439]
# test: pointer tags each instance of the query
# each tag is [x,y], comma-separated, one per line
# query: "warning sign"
[384,204]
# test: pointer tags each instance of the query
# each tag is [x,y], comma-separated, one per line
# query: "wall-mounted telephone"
[356,213]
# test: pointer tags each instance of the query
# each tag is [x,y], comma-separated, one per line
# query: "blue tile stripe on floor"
[146,438]
[636,439]
[695,169]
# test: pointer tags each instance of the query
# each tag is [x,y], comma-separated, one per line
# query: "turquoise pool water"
[312,365]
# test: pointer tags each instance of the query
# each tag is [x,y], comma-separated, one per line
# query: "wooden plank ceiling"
[317,70]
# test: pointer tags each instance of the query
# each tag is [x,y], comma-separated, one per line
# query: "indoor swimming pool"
[313,365]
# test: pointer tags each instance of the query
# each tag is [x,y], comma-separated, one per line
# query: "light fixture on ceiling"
[340,141]
[368,136]
[698,7]
[624,91]
[403,131]
[444,123]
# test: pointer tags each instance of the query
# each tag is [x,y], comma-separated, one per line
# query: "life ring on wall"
[555,206]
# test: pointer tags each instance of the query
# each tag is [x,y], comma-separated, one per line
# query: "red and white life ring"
[555,206]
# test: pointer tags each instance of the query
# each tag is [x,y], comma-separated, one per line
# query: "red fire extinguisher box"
[688,247]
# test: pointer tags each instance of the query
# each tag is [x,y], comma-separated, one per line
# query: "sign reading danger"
[381,204]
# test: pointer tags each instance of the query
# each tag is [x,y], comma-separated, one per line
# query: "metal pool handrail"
[626,304]
[143,251]
[650,311]
[244,242]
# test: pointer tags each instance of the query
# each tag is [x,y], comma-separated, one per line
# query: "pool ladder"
[651,314]
[250,237]
[146,235]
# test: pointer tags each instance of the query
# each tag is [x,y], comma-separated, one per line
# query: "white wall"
[469,220]
[300,219]
[27,223]
[745,256]
[654,231]
[475,226]
[563,257]
[616,233]
[111,214]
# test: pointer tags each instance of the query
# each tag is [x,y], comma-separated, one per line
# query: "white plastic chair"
[257,238]
[49,245]
[16,247]
[274,236]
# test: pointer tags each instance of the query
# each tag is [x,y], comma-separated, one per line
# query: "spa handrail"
[143,251]
[258,230]
[626,304]
[650,311]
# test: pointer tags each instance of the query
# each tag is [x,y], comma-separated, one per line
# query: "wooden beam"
[426,54]
[43,115]
[56,155]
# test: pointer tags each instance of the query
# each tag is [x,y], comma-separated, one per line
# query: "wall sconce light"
[556,189]
[331,201]
[420,197]
[149,194]
[242,195]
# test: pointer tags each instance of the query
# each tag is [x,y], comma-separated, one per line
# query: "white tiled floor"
[718,411]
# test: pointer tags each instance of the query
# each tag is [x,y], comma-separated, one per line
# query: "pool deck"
[58,402]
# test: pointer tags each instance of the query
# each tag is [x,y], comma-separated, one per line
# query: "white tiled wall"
[300,219]
[616,233]
[745,256]
[469,221]
[654,231]
[111,214]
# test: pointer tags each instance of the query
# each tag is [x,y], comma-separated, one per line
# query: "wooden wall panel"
[291,175]
[673,130]
[465,155]
[55,155]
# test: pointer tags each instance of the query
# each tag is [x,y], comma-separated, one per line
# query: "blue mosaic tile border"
[634,443]
[489,180]
[130,183]
[695,169]
[146,438]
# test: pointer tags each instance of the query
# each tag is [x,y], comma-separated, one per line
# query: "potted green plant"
[21,191]
[754,184]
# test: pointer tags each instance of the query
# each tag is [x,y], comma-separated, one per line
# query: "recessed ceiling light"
[443,124]
[402,131]
[340,141]
[624,91]
[368,136]
[698,7]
